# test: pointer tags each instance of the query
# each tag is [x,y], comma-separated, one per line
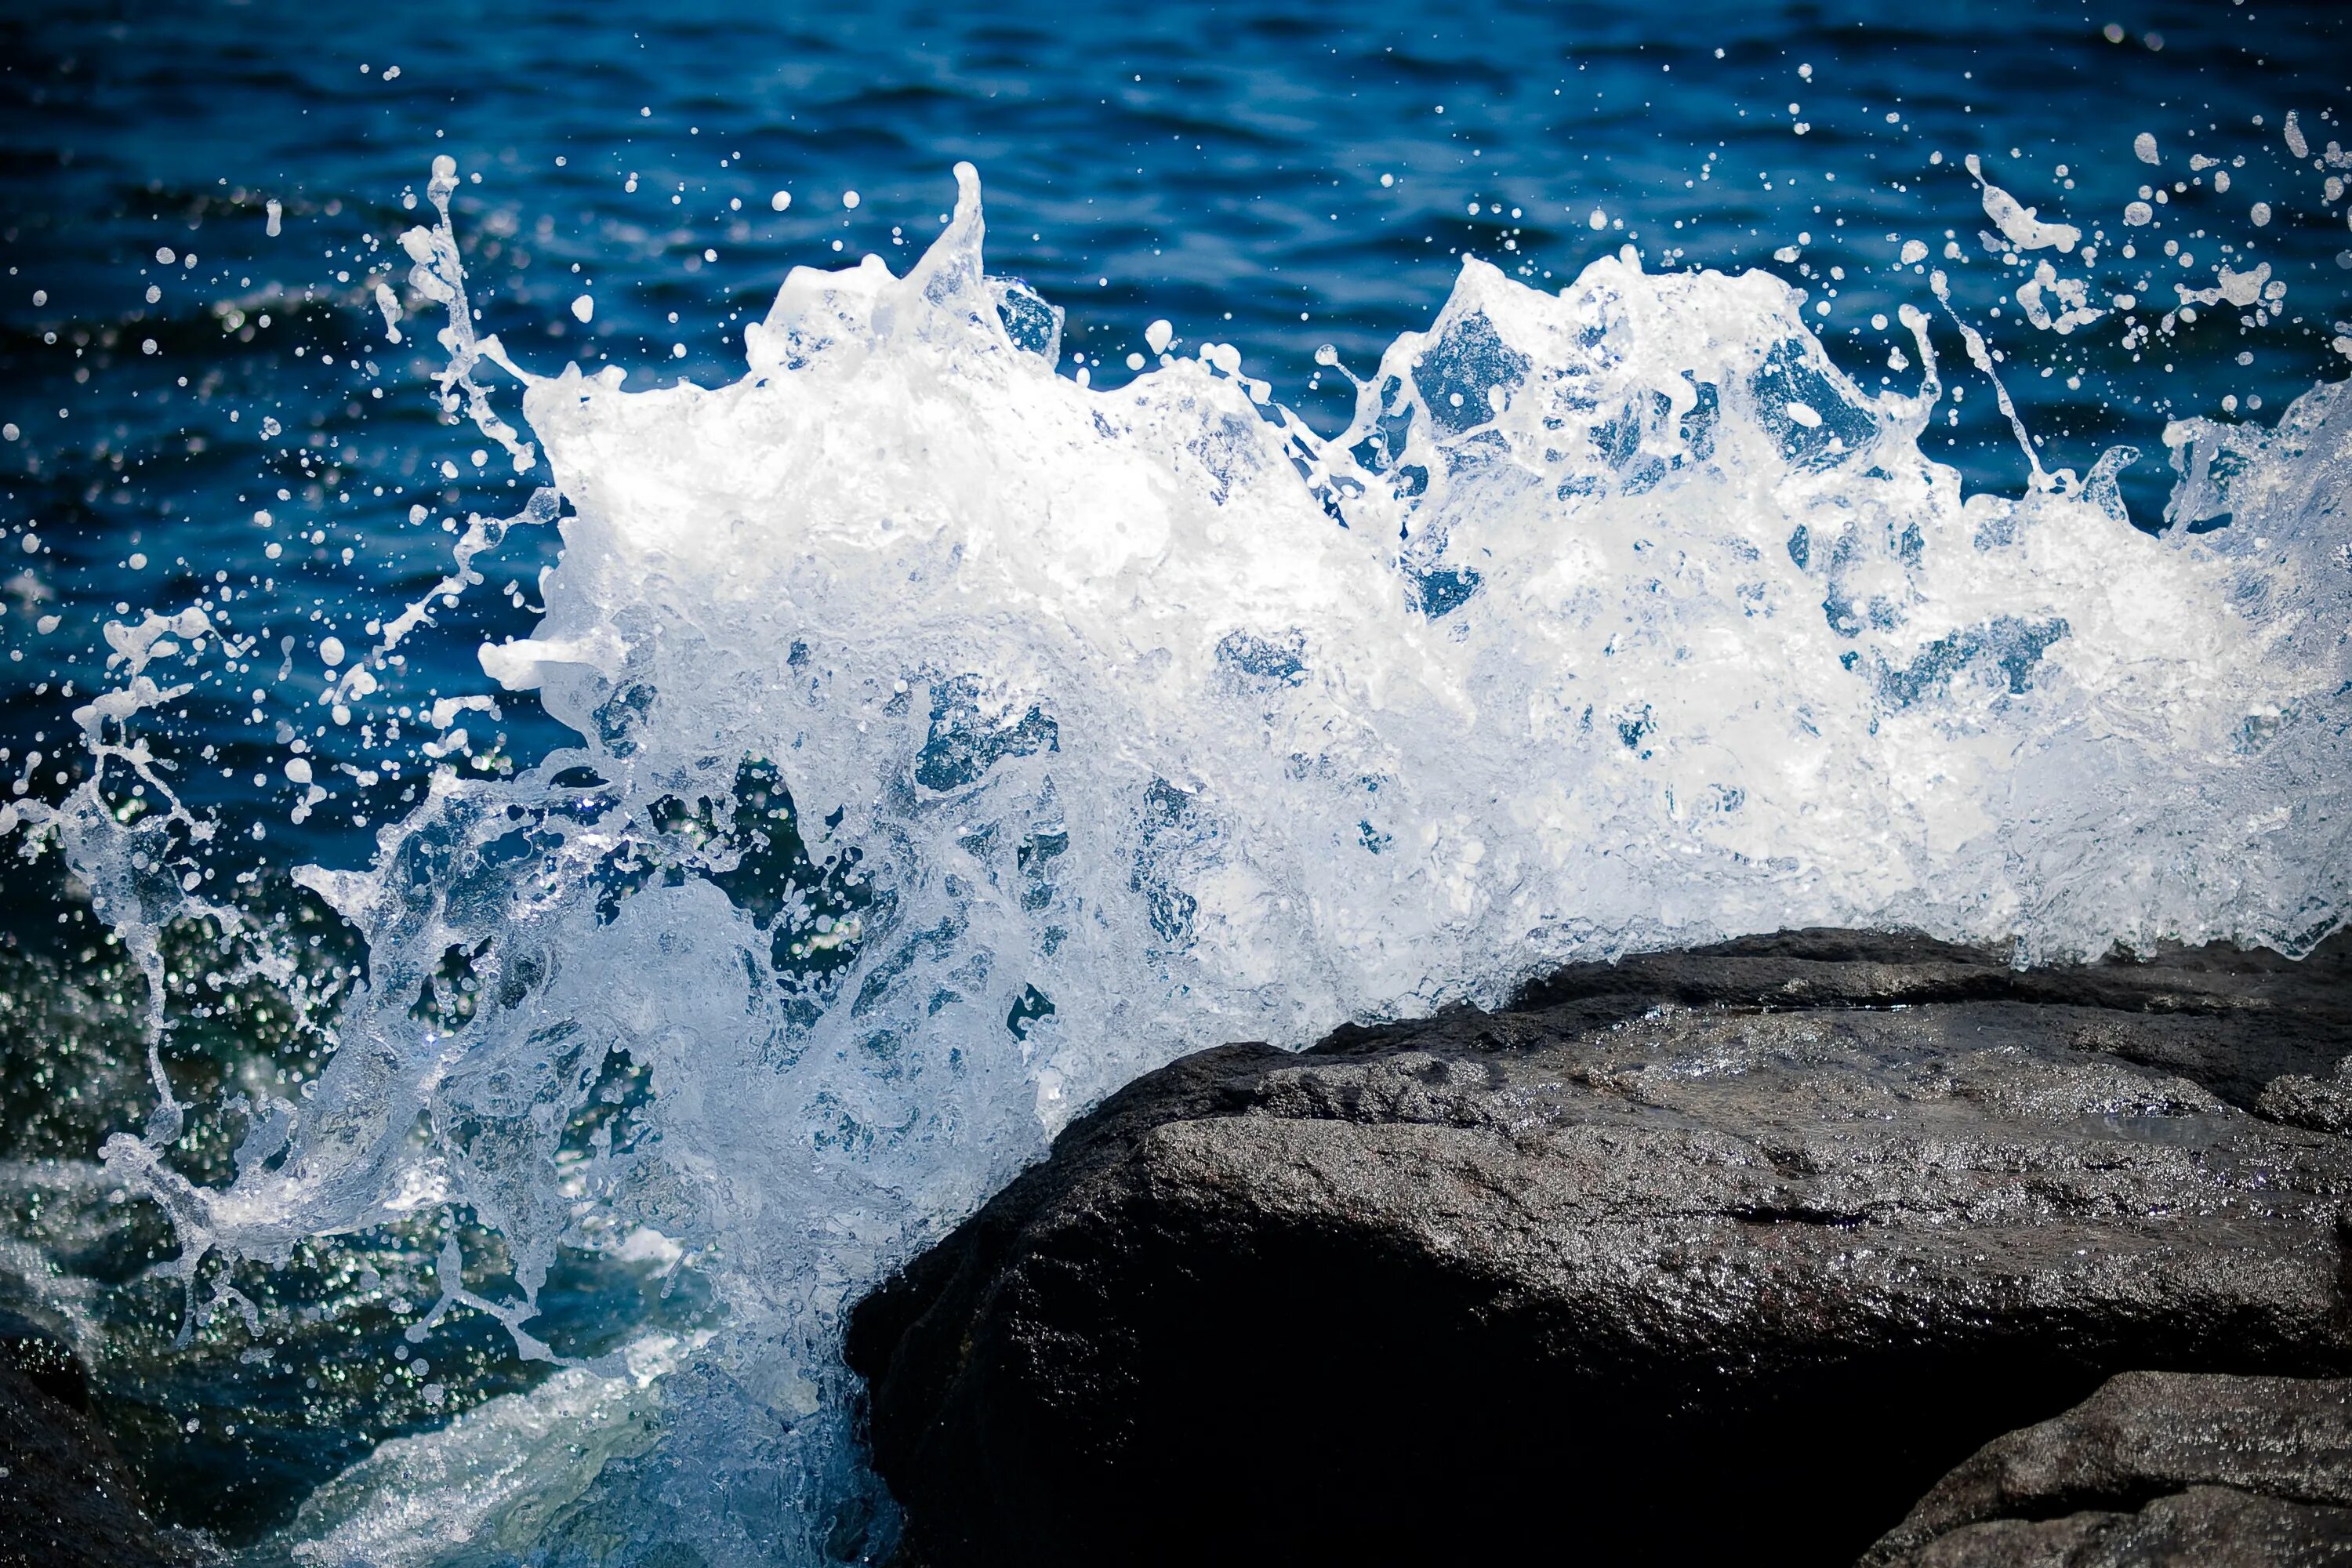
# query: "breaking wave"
[956,741]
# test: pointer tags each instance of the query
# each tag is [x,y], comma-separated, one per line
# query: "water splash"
[957,742]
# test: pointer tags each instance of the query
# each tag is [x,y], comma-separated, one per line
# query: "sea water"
[492,1034]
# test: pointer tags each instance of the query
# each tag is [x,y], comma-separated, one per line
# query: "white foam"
[2017,222]
[491,1486]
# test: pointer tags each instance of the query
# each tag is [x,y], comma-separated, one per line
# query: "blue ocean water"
[198,391]
[1278,177]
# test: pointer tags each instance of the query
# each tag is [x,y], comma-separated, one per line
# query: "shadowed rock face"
[66,1500]
[2155,1468]
[1724,1254]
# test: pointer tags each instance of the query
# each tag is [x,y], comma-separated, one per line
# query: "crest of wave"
[958,743]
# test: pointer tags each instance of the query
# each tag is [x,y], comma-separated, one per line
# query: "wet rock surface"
[2155,1468]
[1722,1255]
[66,1500]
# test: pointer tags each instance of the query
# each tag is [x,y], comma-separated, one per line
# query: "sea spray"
[956,741]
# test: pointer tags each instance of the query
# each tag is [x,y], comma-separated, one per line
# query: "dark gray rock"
[2325,1105]
[40,1355]
[66,1500]
[1721,1256]
[2229,1018]
[2204,1526]
[2155,1468]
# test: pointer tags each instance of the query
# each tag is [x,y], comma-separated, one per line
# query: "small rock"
[2324,1105]
[2153,1468]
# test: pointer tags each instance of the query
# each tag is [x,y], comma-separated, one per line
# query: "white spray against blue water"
[958,743]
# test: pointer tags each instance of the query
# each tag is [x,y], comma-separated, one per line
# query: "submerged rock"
[1713,1255]
[40,1355]
[66,1500]
[2155,1468]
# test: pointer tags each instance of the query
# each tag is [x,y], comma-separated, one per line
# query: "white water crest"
[958,743]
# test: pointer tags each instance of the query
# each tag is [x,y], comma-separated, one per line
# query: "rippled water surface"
[794,733]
